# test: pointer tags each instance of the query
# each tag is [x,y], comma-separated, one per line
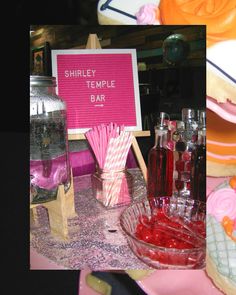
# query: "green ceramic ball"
[175,49]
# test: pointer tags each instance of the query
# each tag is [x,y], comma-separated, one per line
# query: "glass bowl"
[167,232]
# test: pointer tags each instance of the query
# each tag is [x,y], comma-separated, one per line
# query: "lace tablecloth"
[96,240]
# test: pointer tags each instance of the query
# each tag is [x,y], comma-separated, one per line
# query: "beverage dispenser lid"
[45,105]
[43,81]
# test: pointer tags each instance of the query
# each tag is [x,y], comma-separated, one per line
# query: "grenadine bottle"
[185,136]
[198,163]
[160,163]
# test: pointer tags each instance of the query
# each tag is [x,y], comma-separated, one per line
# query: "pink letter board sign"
[99,86]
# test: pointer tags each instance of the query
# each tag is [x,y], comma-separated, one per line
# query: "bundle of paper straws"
[110,145]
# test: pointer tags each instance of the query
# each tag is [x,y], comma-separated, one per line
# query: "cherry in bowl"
[167,232]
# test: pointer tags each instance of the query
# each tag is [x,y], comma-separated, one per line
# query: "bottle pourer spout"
[203,119]
[162,119]
[162,124]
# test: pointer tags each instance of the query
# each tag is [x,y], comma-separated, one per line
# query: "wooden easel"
[93,43]
[59,211]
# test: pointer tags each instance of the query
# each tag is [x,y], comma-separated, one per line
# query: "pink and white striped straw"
[110,144]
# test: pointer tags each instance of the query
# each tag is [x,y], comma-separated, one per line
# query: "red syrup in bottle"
[198,179]
[198,163]
[160,163]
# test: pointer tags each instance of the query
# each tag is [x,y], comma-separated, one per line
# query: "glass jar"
[49,160]
[112,188]
[185,137]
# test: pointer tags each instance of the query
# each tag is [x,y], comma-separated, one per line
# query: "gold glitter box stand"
[59,211]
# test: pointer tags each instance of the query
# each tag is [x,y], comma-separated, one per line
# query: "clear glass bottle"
[198,162]
[49,160]
[185,136]
[160,163]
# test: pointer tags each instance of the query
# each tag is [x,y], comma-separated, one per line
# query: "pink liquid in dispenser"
[56,172]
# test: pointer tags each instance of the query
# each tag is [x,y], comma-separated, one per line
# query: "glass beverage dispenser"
[49,160]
